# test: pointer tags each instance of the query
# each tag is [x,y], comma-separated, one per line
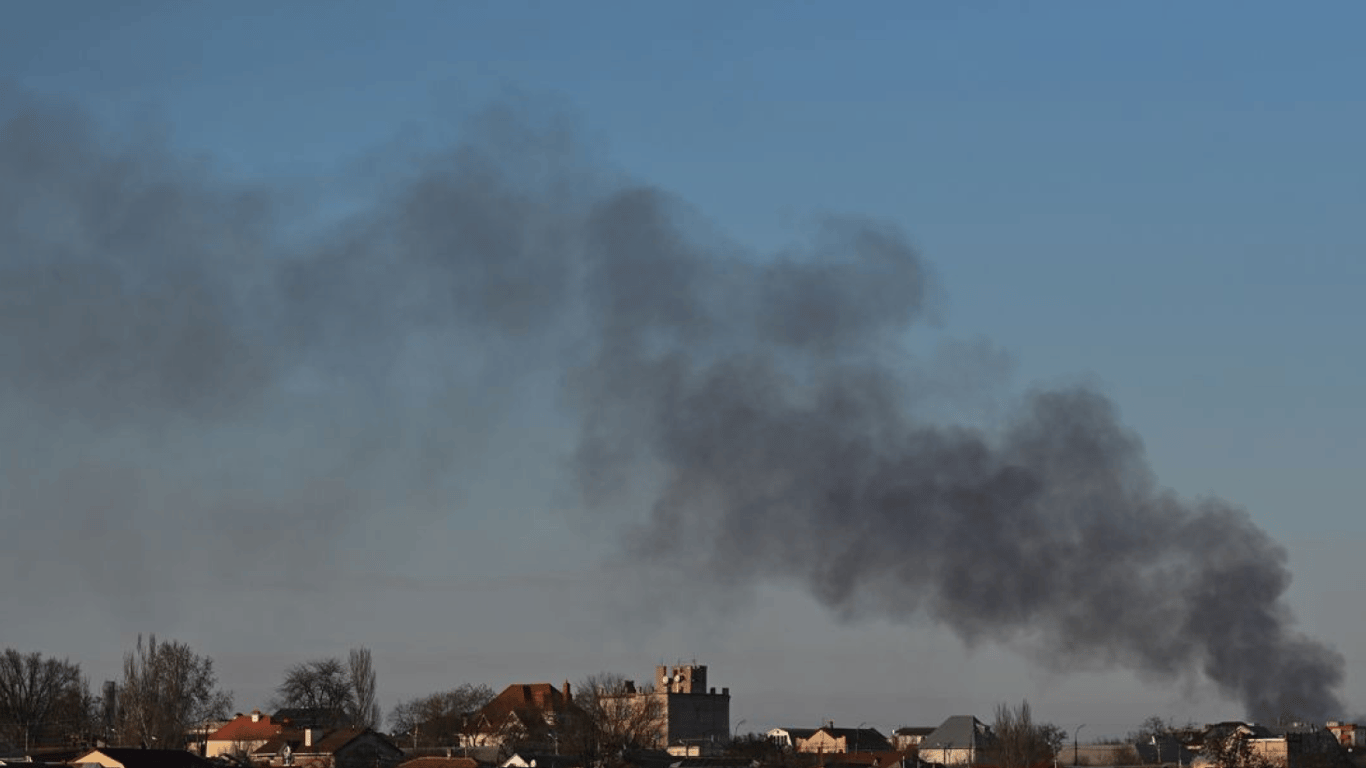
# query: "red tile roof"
[241,728]
[520,699]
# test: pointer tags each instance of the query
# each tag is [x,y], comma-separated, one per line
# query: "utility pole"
[1075,735]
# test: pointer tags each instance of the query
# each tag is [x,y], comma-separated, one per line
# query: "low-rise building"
[907,738]
[1349,735]
[241,735]
[524,713]
[318,748]
[959,740]
[787,738]
[831,740]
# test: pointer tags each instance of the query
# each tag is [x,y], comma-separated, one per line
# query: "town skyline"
[746,715]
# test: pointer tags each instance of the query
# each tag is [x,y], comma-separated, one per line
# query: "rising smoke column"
[770,398]
[160,334]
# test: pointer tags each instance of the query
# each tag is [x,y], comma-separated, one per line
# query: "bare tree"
[437,720]
[364,705]
[1055,736]
[321,686]
[1020,742]
[1153,725]
[167,689]
[1231,748]
[42,700]
[239,752]
[612,718]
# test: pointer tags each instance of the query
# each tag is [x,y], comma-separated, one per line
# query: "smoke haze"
[178,362]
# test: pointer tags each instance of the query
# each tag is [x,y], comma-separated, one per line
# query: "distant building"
[959,740]
[524,713]
[906,738]
[1293,746]
[242,735]
[1349,735]
[832,740]
[787,738]
[318,748]
[691,713]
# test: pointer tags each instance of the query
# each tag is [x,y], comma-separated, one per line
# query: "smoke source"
[146,306]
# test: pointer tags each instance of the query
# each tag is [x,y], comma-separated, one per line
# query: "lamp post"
[735,733]
[1158,745]
[857,733]
[1075,735]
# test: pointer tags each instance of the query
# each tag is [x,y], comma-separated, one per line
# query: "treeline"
[166,693]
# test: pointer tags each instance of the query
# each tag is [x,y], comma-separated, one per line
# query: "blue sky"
[1161,201]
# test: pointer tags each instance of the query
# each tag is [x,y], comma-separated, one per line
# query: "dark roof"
[859,739]
[958,732]
[439,762]
[149,758]
[329,743]
[52,755]
[908,731]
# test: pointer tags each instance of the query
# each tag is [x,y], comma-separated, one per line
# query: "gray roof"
[958,732]
[863,739]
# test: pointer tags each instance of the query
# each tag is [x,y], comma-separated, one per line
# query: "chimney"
[256,715]
[567,695]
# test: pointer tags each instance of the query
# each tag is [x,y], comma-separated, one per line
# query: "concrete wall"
[222,747]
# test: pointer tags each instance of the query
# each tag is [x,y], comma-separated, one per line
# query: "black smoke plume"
[158,328]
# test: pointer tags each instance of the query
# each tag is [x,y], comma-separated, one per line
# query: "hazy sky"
[247,403]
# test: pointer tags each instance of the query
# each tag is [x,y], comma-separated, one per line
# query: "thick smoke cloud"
[150,312]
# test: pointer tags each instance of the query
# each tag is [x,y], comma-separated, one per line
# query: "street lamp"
[857,733]
[1158,745]
[735,734]
[1075,734]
